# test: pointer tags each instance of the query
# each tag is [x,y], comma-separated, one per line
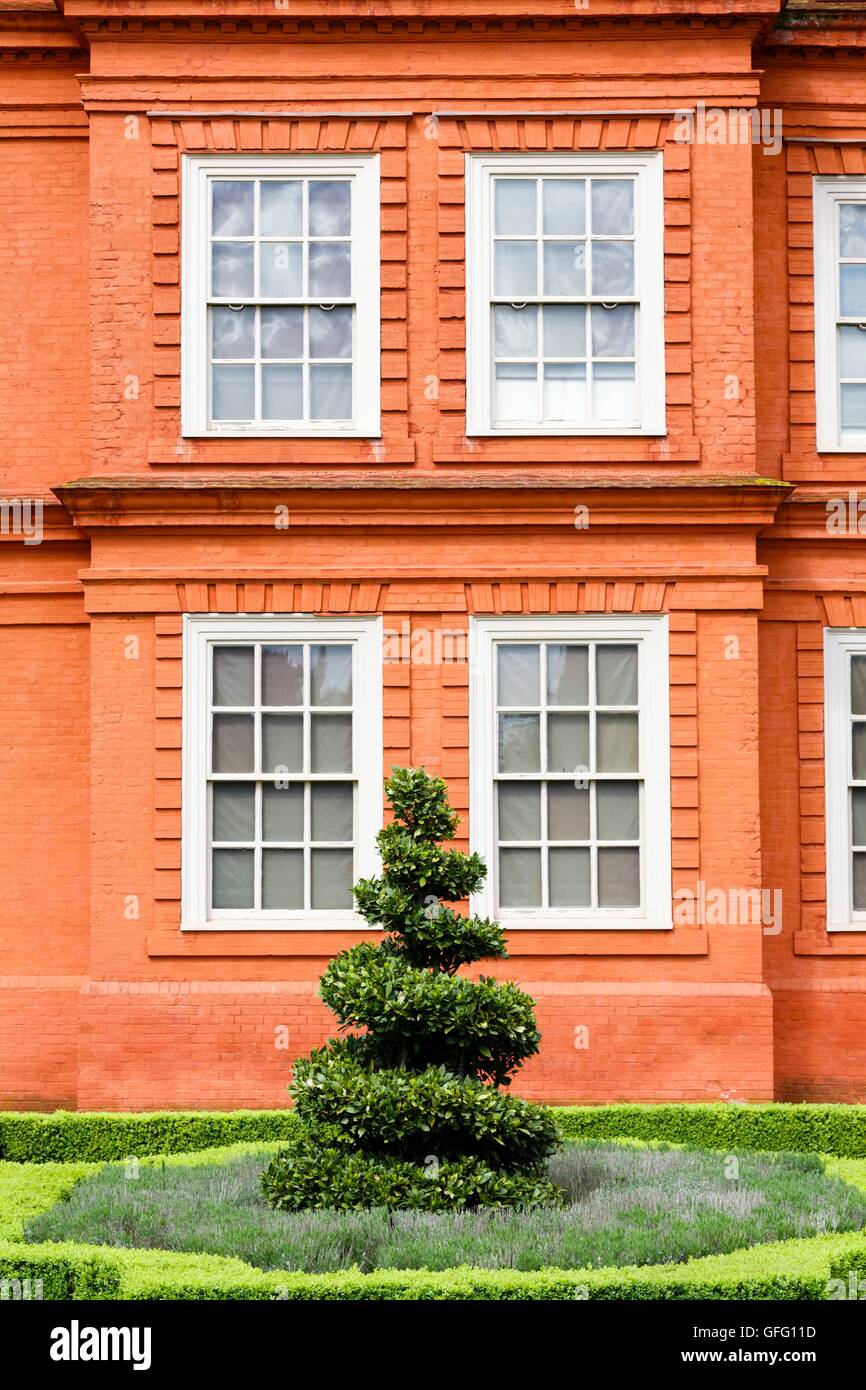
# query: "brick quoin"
[720,524]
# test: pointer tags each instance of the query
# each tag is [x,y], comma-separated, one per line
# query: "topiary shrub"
[411,1113]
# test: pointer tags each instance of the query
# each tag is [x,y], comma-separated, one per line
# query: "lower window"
[282,769]
[570,770]
[845,777]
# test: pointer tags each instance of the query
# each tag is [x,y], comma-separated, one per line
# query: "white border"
[649,269]
[198,633]
[827,193]
[839,644]
[366,254]
[651,634]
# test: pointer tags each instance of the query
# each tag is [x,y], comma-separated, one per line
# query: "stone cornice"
[457,500]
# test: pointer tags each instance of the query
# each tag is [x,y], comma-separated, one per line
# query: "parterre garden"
[407,1170]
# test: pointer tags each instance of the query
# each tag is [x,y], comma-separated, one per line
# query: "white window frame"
[651,636]
[839,646]
[363,171]
[828,193]
[648,170]
[199,633]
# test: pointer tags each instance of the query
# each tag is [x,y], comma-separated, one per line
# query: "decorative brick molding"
[457,137]
[302,134]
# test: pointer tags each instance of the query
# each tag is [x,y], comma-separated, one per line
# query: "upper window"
[282,769]
[570,770]
[280,295]
[840,313]
[845,778]
[565,294]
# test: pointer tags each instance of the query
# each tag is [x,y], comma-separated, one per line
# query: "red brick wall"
[103,1001]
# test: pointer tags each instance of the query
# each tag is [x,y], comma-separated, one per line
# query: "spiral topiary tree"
[412,1113]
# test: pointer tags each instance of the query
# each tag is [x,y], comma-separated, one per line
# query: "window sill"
[349,433]
[836,941]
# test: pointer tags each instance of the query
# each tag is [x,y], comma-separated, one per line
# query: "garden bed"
[798,1268]
[627,1205]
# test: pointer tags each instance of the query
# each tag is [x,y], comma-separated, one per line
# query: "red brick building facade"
[433,383]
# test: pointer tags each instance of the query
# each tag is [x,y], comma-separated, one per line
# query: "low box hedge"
[792,1270]
[66,1137]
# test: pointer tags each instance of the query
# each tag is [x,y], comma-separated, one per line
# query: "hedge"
[824,1129]
[68,1136]
[792,1270]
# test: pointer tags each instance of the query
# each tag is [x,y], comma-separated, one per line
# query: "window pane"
[515,268]
[331,737]
[614,393]
[858,815]
[281,269]
[330,675]
[852,229]
[231,207]
[859,884]
[514,201]
[282,393]
[567,742]
[858,752]
[617,742]
[332,811]
[518,669]
[564,267]
[519,811]
[852,290]
[613,331]
[520,878]
[564,330]
[234,394]
[231,269]
[234,811]
[331,872]
[616,675]
[331,332]
[282,812]
[515,331]
[569,878]
[613,268]
[567,811]
[233,878]
[519,743]
[233,743]
[330,208]
[516,394]
[618,810]
[852,350]
[619,878]
[282,675]
[281,209]
[854,409]
[612,207]
[282,332]
[331,392]
[233,332]
[567,674]
[282,742]
[564,207]
[282,879]
[858,684]
[233,675]
[330,269]
[565,391]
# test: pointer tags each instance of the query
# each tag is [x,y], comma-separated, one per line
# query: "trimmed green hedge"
[824,1129]
[792,1270]
[68,1137]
